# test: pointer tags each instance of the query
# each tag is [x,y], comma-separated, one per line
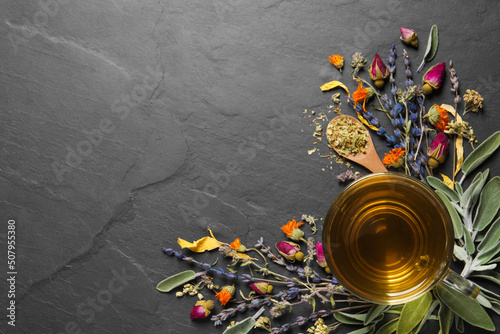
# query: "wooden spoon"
[369,159]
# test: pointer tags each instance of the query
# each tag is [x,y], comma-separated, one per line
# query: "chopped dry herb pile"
[347,136]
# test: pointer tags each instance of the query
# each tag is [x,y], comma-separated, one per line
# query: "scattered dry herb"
[347,136]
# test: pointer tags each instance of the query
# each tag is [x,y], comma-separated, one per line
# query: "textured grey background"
[120,118]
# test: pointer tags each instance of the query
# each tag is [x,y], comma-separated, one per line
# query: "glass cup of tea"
[388,239]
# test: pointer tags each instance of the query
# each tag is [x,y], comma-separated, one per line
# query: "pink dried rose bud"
[438,150]
[201,309]
[261,288]
[320,257]
[378,71]
[433,78]
[409,36]
[290,251]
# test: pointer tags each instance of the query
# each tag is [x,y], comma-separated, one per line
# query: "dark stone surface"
[128,124]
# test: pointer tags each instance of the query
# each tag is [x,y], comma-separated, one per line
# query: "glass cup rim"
[422,186]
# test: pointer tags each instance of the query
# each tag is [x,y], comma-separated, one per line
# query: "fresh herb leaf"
[242,327]
[481,153]
[364,330]
[437,184]
[489,203]
[176,280]
[458,229]
[491,238]
[465,307]
[431,49]
[349,318]
[374,312]
[445,317]
[389,327]
[413,313]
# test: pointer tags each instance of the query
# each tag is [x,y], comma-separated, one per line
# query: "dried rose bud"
[409,36]
[261,287]
[290,251]
[320,257]
[438,150]
[433,78]
[201,309]
[378,72]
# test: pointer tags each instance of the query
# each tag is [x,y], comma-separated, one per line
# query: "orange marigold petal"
[223,296]
[236,244]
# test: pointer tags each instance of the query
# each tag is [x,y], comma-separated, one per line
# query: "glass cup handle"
[461,284]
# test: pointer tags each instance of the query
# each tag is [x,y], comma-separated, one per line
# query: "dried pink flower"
[378,71]
[438,150]
[290,250]
[201,309]
[409,36]
[433,78]
[261,287]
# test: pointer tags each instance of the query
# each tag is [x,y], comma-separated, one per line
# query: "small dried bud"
[409,36]
[378,71]
[438,150]
[433,78]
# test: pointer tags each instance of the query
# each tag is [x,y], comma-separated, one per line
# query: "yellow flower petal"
[447,181]
[459,141]
[245,256]
[200,245]
[334,84]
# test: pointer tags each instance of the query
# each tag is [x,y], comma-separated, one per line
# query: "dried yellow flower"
[473,101]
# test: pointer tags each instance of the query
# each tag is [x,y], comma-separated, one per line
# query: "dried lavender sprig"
[409,75]
[454,84]
[207,267]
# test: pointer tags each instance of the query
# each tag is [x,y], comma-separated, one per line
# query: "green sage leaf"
[413,313]
[176,280]
[481,153]
[459,324]
[491,238]
[428,315]
[458,228]
[389,327]
[349,318]
[489,203]
[469,243]
[364,330]
[483,268]
[460,253]
[242,327]
[374,312]
[437,184]
[486,255]
[458,189]
[431,49]
[483,300]
[465,307]
[471,195]
[445,317]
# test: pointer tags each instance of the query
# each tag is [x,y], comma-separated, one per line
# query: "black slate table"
[128,124]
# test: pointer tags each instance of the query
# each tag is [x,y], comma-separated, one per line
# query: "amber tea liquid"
[388,238]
